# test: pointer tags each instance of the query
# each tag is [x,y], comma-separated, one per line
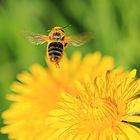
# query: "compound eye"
[62,30]
[62,38]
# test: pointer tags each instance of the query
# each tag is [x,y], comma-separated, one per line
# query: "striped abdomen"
[55,51]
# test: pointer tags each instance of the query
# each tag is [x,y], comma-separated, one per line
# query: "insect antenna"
[66,26]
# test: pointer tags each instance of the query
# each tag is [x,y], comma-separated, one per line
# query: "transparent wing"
[79,39]
[36,38]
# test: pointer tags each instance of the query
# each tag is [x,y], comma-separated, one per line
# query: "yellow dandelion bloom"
[36,92]
[102,109]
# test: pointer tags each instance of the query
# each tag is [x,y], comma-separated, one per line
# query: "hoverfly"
[57,41]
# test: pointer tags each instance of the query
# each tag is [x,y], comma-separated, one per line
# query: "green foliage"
[115,25]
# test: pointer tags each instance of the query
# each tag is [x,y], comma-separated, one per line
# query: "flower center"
[98,114]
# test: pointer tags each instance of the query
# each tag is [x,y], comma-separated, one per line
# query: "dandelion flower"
[102,109]
[36,92]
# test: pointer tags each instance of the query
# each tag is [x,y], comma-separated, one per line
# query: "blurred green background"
[115,25]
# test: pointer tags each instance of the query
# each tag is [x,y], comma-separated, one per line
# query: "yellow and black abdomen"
[55,51]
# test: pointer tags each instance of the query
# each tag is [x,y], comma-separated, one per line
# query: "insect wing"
[79,40]
[36,38]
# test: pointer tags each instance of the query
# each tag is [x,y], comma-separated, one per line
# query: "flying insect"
[57,41]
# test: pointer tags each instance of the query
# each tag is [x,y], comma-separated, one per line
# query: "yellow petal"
[134,106]
[132,118]
[57,112]
[132,132]
[57,134]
